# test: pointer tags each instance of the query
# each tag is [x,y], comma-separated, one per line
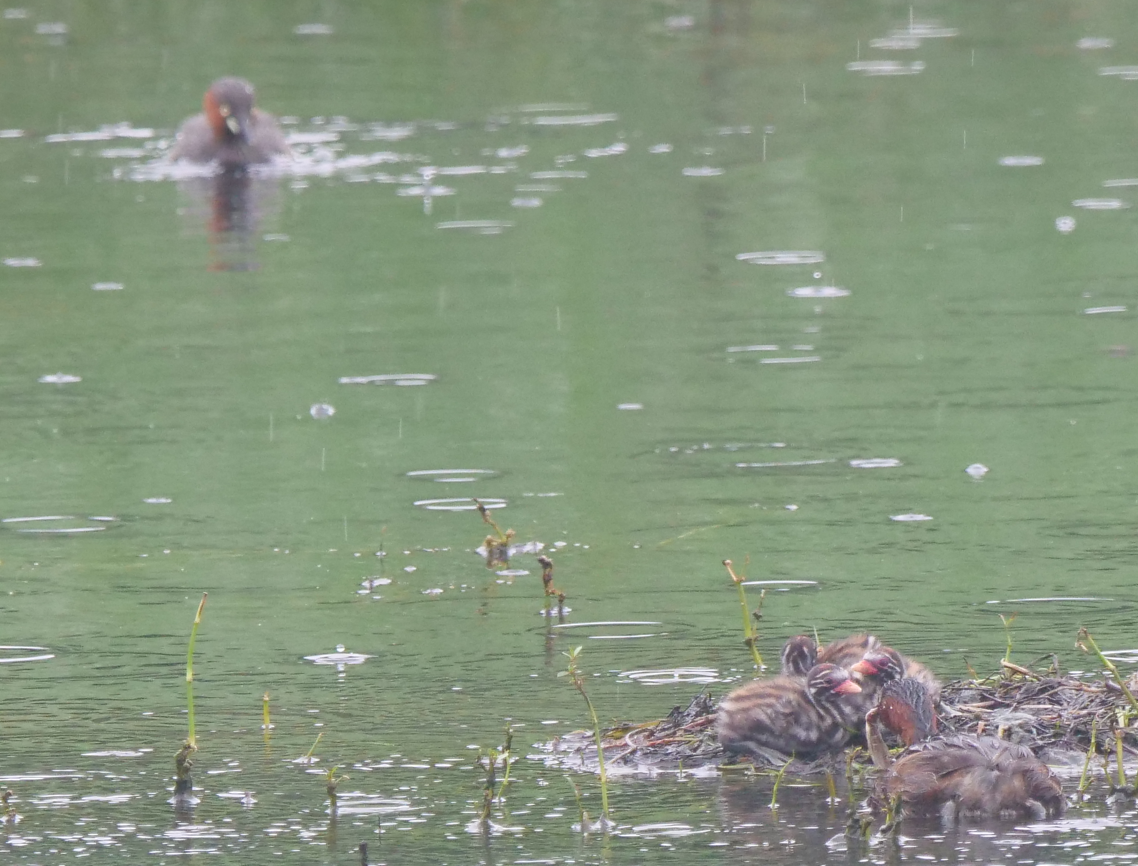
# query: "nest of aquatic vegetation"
[1058,716]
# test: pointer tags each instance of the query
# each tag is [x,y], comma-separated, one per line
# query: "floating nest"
[1058,717]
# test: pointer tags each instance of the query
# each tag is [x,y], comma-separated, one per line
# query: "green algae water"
[845,295]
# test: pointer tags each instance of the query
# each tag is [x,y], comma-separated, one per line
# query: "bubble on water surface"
[158,500]
[660,148]
[19,654]
[575,120]
[512,572]
[107,132]
[1101,204]
[357,803]
[482,227]
[22,262]
[1126,73]
[106,287]
[313,30]
[614,149]
[784,464]
[390,379]
[460,504]
[1065,224]
[526,202]
[875,463]
[818,292]
[780,585]
[885,67]
[339,658]
[1094,43]
[925,30]
[782,257]
[977,470]
[805,359]
[1094,311]
[51,28]
[1020,161]
[895,43]
[447,476]
[630,407]
[426,191]
[15,13]
[702,171]
[763,347]
[117,753]
[910,518]
[60,379]
[322,410]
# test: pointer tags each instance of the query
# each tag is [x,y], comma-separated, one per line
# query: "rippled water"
[535,229]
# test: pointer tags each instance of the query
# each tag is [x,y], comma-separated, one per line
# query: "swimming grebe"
[230,129]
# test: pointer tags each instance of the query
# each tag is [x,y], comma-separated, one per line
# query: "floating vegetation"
[496,548]
[1060,717]
[390,379]
[782,257]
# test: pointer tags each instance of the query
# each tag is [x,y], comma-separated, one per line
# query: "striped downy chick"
[800,653]
[803,719]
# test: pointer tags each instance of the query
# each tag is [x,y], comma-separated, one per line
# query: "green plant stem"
[1084,635]
[600,751]
[308,757]
[192,735]
[1087,764]
[777,782]
[750,636]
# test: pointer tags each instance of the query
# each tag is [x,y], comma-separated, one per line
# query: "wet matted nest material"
[1052,715]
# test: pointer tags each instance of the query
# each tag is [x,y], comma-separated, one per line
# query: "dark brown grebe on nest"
[958,775]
